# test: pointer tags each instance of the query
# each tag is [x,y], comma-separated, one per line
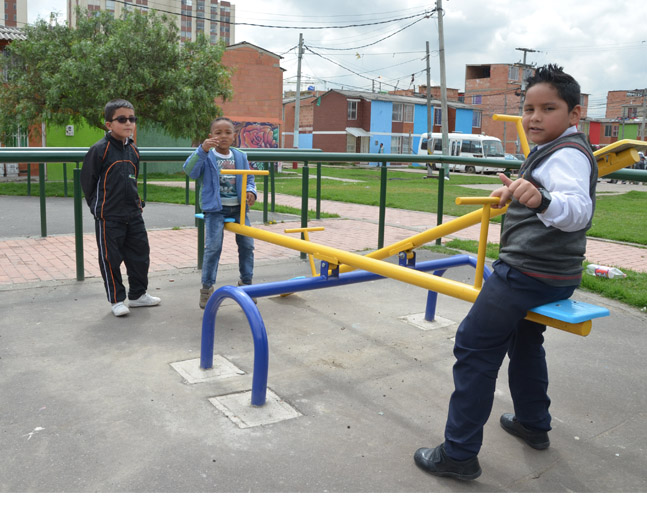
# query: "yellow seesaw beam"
[334,256]
[425,280]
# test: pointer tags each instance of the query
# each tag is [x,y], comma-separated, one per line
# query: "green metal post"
[186,190]
[305,177]
[145,178]
[29,180]
[266,192]
[199,224]
[197,200]
[200,243]
[78,225]
[64,179]
[318,190]
[43,210]
[380,231]
[272,174]
[441,195]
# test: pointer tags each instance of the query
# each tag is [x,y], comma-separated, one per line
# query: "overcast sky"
[602,44]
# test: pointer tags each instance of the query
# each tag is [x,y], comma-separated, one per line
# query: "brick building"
[306,120]
[13,13]
[256,105]
[497,88]
[627,104]
[21,138]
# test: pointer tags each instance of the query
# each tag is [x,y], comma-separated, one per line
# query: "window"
[472,147]
[476,119]
[630,112]
[397,112]
[401,145]
[351,144]
[513,73]
[477,99]
[438,116]
[408,113]
[610,131]
[352,109]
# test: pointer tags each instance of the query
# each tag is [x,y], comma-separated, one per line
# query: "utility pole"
[444,126]
[443,121]
[297,106]
[642,127]
[523,81]
[429,140]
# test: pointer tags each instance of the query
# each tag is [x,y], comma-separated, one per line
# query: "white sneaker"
[120,309]
[145,300]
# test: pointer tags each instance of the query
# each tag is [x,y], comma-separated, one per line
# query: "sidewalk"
[37,259]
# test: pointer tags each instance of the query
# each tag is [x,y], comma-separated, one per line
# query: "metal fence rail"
[75,155]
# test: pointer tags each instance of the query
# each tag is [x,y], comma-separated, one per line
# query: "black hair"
[220,118]
[567,88]
[113,105]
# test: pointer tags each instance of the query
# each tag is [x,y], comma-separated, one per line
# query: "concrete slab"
[193,374]
[418,320]
[239,410]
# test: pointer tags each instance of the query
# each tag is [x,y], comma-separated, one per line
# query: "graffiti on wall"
[256,135]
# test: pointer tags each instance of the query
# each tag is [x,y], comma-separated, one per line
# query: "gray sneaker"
[120,309]
[242,284]
[145,300]
[205,294]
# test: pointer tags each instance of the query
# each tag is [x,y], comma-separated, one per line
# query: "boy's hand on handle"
[522,190]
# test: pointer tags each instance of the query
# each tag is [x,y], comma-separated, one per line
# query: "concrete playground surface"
[357,382]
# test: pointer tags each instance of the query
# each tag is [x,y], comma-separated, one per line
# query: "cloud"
[603,45]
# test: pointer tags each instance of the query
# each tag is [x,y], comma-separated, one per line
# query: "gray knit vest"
[553,256]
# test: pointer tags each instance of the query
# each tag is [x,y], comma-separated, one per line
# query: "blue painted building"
[362,122]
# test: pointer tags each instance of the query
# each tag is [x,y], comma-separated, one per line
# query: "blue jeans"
[494,326]
[214,224]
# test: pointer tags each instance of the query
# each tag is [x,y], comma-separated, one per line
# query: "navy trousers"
[494,326]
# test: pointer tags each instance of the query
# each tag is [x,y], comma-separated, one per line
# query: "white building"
[214,18]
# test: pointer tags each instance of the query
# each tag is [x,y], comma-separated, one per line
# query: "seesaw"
[568,315]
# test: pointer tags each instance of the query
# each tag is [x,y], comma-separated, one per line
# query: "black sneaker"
[436,462]
[536,439]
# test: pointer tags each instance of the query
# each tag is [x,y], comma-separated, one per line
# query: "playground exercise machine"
[339,267]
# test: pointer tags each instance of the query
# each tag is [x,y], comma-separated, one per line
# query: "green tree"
[62,75]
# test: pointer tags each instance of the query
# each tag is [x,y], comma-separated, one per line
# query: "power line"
[379,40]
[258,25]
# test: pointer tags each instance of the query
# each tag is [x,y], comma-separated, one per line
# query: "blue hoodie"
[201,163]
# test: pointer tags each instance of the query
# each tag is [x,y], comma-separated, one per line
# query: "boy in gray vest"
[543,242]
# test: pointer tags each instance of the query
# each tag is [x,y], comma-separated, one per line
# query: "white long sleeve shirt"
[566,175]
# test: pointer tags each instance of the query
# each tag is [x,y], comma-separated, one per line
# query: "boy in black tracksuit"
[109,181]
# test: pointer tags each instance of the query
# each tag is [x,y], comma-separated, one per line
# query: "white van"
[475,146]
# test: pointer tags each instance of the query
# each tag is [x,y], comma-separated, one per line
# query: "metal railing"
[265,156]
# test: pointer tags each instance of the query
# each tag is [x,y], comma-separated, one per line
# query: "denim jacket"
[204,166]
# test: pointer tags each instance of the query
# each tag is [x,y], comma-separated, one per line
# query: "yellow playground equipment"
[572,316]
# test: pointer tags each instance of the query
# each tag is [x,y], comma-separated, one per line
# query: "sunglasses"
[124,119]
